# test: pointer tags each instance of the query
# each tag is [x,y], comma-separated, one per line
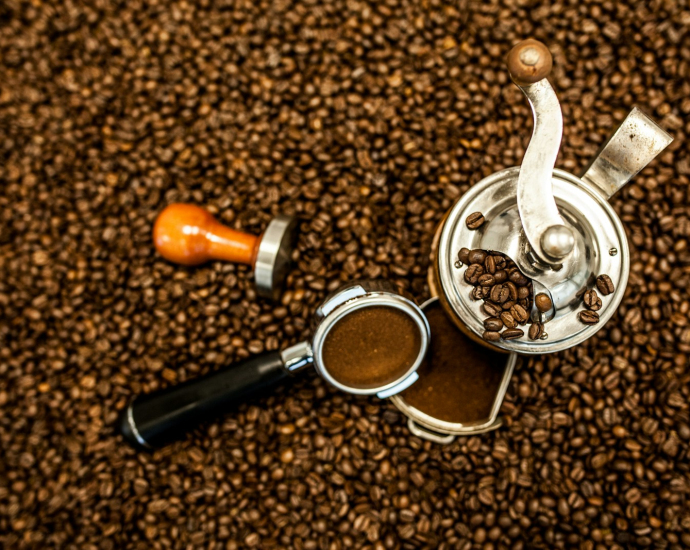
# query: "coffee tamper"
[155,419]
[189,235]
[558,228]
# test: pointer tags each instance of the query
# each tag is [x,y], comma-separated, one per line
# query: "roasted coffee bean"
[501,276]
[543,302]
[493,324]
[491,336]
[367,120]
[499,294]
[478,293]
[492,310]
[592,300]
[486,280]
[508,320]
[519,313]
[512,333]
[477,256]
[589,317]
[500,261]
[475,220]
[605,285]
[518,278]
[507,305]
[464,255]
[524,292]
[535,331]
[473,272]
[490,265]
[512,289]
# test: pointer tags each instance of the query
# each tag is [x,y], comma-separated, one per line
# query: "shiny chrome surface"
[360,295]
[273,256]
[541,221]
[636,142]
[297,357]
[583,208]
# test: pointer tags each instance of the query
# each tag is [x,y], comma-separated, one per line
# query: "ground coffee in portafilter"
[371,346]
[459,379]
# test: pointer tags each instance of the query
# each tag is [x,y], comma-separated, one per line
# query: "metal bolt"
[458,264]
[557,241]
[530,56]
[543,336]
[613,251]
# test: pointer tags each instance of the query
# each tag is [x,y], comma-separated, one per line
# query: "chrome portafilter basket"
[154,419]
[558,228]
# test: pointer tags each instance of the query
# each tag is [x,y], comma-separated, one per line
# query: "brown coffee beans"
[535,331]
[543,302]
[592,300]
[512,333]
[605,285]
[367,120]
[475,220]
[589,317]
[464,255]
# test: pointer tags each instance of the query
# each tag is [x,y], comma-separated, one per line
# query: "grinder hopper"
[558,228]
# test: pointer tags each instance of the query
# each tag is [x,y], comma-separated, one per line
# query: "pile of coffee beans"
[507,295]
[367,120]
[592,302]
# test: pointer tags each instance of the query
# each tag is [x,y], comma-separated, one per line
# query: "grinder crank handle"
[550,240]
[153,420]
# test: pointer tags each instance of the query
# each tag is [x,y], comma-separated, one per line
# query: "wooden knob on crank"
[529,61]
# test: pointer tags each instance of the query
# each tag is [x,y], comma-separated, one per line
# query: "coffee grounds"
[459,379]
[371,347]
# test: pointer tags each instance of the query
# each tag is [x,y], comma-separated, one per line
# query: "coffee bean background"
[367,120]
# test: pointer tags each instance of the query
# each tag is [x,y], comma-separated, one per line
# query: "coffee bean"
[592,300]
[492,310]
[491,336]
[490,265]
[605,285]
[368,121]
[508,304]
[500,276]
[499,294]
[512,289]
[475,220]
[518,278]
[535,331]
[589,317]
[477,256]
[464,255]
[524,292]
[543,302]
[486,280]
[473,272]
[519,313]
[508,320]
[512,333]
[500,261]
[493,324]
[478,293]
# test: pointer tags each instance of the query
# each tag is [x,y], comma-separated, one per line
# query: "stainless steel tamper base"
[273,256]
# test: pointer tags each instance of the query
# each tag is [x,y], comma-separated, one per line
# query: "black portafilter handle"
[158,418]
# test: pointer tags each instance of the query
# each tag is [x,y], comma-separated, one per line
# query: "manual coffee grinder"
[558,228]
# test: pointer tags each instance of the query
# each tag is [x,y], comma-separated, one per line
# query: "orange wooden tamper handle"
[189,235]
